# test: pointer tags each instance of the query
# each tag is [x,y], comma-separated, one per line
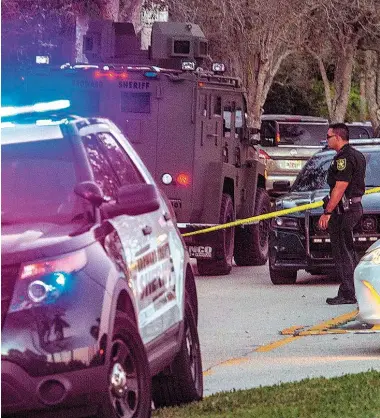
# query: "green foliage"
[349,396]
[294,99]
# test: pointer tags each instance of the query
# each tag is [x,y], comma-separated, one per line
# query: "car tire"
[282,276]
[224,243]
[251,242]
[128,357]
[182,382]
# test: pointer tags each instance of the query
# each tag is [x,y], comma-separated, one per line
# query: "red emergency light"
[111,75]
[183,179]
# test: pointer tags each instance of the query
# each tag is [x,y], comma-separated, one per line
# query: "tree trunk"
[372,74]
[111,10]
[342,83]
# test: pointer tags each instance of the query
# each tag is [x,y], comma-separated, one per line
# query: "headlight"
[43,282]
[285,222]
[372,257]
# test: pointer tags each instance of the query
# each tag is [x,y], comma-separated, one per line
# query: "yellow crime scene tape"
[265,216]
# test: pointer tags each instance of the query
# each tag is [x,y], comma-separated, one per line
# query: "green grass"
[349,396]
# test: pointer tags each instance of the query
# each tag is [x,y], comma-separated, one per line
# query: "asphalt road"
[240,319]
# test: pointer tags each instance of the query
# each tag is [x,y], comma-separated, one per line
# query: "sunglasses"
[330,136]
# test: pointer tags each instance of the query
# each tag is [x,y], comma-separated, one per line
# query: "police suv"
[99,305]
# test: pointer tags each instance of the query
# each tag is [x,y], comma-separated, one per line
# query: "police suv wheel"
[129,380]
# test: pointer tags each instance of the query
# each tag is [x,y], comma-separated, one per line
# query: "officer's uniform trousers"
[340,228]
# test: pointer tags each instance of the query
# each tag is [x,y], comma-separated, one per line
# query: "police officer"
[343,209]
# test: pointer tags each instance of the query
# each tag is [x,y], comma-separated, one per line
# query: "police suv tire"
[251,242]
[182,382]
[127,344]
[282,276]
[223,244]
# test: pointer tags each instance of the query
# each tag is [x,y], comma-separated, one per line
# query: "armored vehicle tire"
[251,242]
[282,276]
[223,243]
[129,377]
[183,382]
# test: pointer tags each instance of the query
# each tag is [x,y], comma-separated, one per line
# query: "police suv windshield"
[314,174]
[38,180]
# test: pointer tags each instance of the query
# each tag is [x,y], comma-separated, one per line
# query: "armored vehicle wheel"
[251,242]
[183,382]
[282,276]
[224,243]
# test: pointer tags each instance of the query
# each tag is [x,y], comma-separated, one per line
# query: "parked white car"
[367,285]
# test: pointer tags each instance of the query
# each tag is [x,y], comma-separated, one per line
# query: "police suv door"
[150,264]
[167,299]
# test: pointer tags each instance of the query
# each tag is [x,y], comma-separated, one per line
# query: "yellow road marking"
[276,344]
[318,329]
[291,330]
[339,320]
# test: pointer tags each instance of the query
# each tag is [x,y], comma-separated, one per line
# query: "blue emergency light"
[36,108]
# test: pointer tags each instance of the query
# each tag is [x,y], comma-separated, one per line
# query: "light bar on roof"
[36,108]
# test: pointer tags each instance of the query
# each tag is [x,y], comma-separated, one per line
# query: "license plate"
[200,251]
[176,203]
[291,164]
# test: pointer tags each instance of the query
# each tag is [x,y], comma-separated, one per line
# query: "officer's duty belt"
[356,199]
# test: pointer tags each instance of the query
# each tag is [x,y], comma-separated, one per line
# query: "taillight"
[264,155]
[183,179]
[277,139]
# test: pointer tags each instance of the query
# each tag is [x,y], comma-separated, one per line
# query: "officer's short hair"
[341,130]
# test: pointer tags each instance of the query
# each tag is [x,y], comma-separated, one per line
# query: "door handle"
[167,216]
[147,230]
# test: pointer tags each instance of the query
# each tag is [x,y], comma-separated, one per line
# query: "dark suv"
[99,304]
[296,242]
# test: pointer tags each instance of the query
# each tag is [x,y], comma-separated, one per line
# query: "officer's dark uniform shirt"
[348,165]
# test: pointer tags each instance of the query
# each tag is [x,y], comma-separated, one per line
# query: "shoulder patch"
[341,164]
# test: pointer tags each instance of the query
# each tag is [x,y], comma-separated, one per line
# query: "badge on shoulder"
[341,164]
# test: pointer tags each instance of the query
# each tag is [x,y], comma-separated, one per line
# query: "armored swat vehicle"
[188,124]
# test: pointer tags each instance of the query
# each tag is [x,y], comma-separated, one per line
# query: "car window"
[123,166]
[268,133]
[302,133]
[314,174]
[38,180]
[358,132]
[104,175]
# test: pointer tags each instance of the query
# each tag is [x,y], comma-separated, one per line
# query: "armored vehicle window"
[181,47]
[203,104]
[103,174]
[239,123]
[217,105]
[135,102]
[227,113]
[120,161]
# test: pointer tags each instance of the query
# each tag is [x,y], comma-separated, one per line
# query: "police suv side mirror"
[90,191]
[134,199]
